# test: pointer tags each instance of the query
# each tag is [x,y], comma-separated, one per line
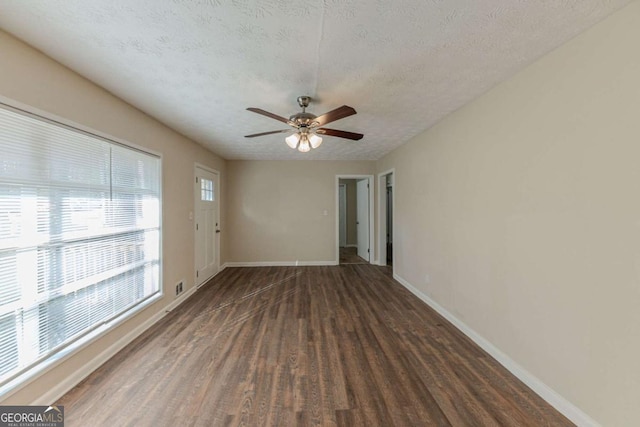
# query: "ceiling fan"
[308,126]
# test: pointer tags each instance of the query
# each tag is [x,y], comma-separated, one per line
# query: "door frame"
[382,217]
[218,193]
[372,249]
[362,198]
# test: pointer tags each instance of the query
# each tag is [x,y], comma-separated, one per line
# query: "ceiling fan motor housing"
[303,101]
[302,119]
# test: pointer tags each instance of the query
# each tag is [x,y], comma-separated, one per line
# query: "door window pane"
[206,190]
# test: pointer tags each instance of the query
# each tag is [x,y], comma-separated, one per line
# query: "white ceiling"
[196,65]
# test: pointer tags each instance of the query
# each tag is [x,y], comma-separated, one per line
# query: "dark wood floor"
[349,255]
[343,345]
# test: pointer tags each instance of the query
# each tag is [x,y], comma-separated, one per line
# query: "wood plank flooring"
[350,256]
[297,346]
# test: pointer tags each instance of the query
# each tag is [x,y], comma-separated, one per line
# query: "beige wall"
[30,78]
[520,214]
[277,209]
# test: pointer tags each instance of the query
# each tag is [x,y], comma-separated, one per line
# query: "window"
[79,236]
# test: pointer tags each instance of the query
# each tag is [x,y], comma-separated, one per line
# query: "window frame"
[98,331]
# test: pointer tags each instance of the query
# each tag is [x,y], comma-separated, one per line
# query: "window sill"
[27,377]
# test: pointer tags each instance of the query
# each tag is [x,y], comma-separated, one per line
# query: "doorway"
[342,203]
[386,217]
[354,219]
[206,223]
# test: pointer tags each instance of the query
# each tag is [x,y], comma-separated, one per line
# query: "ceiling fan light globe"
[292,140]
[304,146]
[315,140]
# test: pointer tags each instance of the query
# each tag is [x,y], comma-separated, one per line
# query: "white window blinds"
[79,236]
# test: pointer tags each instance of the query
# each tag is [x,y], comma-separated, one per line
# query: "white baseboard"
[568,409]
[55,393]
[222,267]
[279,263]
[181,298]
[351,246]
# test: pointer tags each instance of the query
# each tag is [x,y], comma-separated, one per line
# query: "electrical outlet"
[177,289]
[180,287]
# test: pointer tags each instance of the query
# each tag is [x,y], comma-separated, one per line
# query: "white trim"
[278,263]
[212,276]
[180,299]
[351,246]
[568,409]
[372,246]
[84,371]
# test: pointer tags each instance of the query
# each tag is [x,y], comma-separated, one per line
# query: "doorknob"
[217,231]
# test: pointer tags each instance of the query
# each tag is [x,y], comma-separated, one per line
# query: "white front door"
[362,214]
[206,224]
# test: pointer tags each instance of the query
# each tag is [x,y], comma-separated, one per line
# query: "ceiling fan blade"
[340,133]
[267,133]
[333,115]
[268,114]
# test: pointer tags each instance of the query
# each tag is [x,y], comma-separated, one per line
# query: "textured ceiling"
[197,64]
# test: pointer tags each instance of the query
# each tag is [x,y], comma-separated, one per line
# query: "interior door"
[362,214]
[342,211]
[206,225]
